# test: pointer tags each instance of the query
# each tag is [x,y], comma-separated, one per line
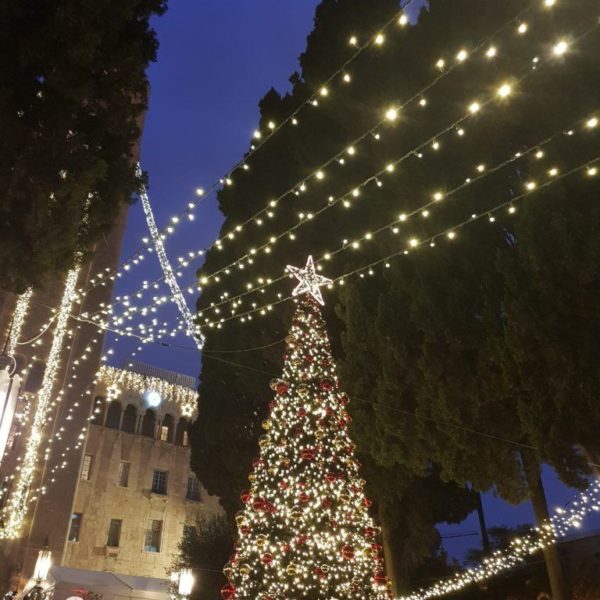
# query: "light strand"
[18,320]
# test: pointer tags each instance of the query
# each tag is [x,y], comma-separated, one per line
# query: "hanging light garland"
[589,169]
[423,211]
[520,548]
[318,174]
[503,91]
[16,508]
[18,320]
[260,139]
[193,329]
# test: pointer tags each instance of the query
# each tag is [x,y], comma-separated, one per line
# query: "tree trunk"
[558,584]
[485,538]
[390,563]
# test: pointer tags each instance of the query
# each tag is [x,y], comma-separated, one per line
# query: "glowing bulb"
[257,134]
[438,196]
[351,150]
[504,90]
[451,235]
[391,114]
[462,56]
[553,172]
[347,78]
[560,48]
[474,107]
[591,123]
[592,171]
[379,39]
[403,20]
[422,102]
[440,64]
[522,28]
[530,185]
[324,91]
[491,52]
[353,40]
[413,243]
[549,3]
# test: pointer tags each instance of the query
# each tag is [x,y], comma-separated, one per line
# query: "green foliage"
[458,357]
[72,94]
[205,548]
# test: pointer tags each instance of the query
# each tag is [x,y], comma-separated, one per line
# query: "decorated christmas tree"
[305,531]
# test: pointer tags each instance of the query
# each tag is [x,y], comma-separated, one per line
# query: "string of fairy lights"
[504,90]
[547,534]
[342,157]
[260,138]
[424,210]
[520,548]
[589,169]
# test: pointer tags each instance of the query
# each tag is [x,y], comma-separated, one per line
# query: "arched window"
[167,429]
[181,432]
[113,416]
[129,419]
[148,424]
[98,410]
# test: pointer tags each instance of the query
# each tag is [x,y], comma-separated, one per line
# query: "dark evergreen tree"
[447,367]
[72,94]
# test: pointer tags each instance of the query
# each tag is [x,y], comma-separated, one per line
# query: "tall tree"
[436,381]
[72,93]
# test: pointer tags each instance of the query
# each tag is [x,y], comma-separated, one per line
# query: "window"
[164,434]
[75,527]
[193,488]
[186,439]
[114,533]
[86,467]
[159,482]
[123,474]
[153,535]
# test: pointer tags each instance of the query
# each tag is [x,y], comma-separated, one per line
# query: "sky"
[217,58]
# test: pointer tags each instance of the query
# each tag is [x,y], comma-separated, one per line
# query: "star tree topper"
[310,280]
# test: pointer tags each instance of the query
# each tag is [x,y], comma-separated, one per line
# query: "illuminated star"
[310,280]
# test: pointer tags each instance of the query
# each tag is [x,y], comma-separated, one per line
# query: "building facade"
[135,492]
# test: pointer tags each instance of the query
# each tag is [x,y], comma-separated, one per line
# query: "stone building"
[135,492]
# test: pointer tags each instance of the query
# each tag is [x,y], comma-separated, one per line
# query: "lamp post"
[186,583]
[40,574]
[182,583]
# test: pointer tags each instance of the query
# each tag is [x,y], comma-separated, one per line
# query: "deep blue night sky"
[217,58]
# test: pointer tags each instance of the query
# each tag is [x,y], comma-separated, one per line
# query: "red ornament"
[368,503]
[287,548]
[245,530]
[347,552]
[319,573]
[329,411]
[301,539]
[326,385]
[281,388]
[344,400]
[267,559]
[257,462]
[309,359]
[341,424]
[302,413]
[271,405]
[245,496]
[370,532]
[228,592]
[307,454]
[283,485]
[304,497]
[330,477]
[380,578]
[327,503]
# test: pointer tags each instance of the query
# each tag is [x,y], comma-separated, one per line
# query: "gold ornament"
[292,570]
[264,441]
[266,424]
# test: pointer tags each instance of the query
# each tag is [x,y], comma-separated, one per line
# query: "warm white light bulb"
[379,39]
[391,114]
[491,52]
[474,107]
[440,64]
[403,20]
[522,28]
[504,90]
[560,48]
[353,40]
[461,56]
[591,123]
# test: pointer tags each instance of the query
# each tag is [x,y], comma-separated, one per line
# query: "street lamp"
[40,574]
[186,583]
